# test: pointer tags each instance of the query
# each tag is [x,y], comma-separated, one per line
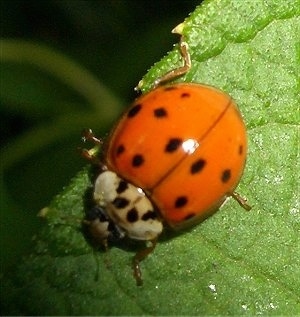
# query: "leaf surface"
[234,263]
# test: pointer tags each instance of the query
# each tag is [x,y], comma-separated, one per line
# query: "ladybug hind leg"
[140,256]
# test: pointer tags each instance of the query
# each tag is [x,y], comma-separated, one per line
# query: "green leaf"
[234,263]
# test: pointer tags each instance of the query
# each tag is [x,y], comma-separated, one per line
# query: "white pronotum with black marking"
[122,210]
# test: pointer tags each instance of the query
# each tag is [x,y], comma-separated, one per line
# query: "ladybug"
[172,159]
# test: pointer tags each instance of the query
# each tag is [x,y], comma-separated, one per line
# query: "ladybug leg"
[88,135]
[140,256]
[99,240]
[183,47]
[91,155]
[242,201]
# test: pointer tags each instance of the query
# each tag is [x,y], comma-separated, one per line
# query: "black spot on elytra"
[120,149]
[134,111]
[137,160]
[197,166]
[132,215]
[150,214]
[185,95]
[120,202]
[122,187]
[170,88]
[160,112]
[226,176]
[241,150]
[180,201]
[189,216]
[173,145]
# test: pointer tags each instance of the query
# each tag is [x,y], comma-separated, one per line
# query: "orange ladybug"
[172,159]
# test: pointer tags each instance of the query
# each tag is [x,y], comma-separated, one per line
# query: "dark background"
[118,41]
[110,37]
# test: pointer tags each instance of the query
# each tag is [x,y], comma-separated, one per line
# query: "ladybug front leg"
[140,256]
[88,135]
[91,154]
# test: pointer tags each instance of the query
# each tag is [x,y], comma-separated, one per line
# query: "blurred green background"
[117,41]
